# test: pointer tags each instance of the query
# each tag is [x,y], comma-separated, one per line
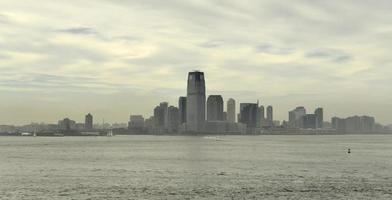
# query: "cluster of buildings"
[355,124]
[198,114]
[298,118]
[70,125]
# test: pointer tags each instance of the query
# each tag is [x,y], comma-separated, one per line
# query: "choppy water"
[171,167]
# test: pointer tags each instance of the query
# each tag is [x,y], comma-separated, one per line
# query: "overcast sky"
[114,58]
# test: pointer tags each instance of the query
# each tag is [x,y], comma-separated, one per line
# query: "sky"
[114,58]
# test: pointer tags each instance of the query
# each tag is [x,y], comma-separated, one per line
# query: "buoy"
[349,151]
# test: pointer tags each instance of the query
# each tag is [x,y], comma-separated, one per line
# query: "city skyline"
[72,58]
[197,114]
[210,109]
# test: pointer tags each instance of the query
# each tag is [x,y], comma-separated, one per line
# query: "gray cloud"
[79,30]
[272,49]
[329,54]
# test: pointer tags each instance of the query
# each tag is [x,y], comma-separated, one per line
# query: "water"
[174,167]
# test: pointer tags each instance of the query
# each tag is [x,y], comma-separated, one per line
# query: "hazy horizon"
[116,58]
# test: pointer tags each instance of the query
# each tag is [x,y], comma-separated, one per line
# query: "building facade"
[319,117]
[136,122]
[196,100]
[231,110]
[270,115]
[215,108]
[182,109]
[88,121]
[248,114]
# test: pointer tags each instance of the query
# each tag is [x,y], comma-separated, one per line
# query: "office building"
[319,117]
[309,121]
[173,119]
[231,110]
[136,122]
[196,100]
[88,122]
[296,117]
[215,108]
[248,114]
[182,109]
[270,115]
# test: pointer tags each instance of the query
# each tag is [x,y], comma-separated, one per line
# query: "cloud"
[79,30]
[330,55]
[272,49]
[212,44]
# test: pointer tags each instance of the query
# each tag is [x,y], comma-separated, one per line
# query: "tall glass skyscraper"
[196,102]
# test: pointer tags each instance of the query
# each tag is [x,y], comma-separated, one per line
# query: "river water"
[187,167]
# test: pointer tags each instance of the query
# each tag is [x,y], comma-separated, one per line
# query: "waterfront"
[176,167]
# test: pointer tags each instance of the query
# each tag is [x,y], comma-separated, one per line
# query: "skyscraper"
[262,112]
[88,122]
[196,101]
[296,117]
[270,116]
[172,119]
[248,114]
[215,108]
[319,117]
[164,106]
[231,110]
[182,109]
[159,117]
[261,116]
[309,121]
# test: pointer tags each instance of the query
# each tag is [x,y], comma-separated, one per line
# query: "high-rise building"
[66,124]
[196,101]
[231,110]
[296,117]
[368,124]
[165,106]
[338,124]
[136,122]
[182,109]
[173,119]
[88,122]
[248,114]
[270,115]
[319,117]
[159,117]
[262,112]
[261,119]
[215,108]
[309,121]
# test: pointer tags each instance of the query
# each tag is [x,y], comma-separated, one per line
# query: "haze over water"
[176,167]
